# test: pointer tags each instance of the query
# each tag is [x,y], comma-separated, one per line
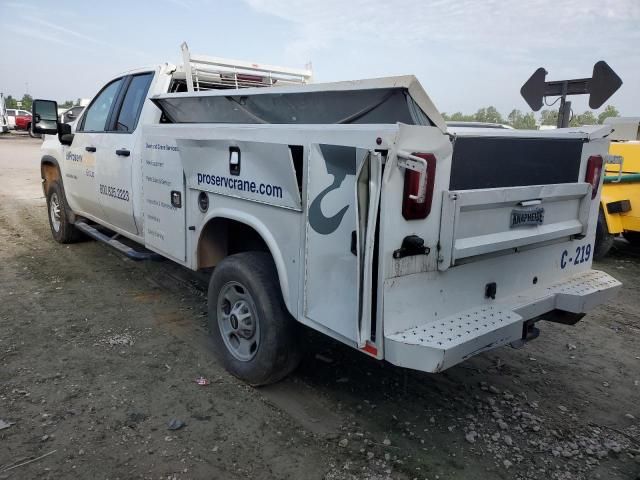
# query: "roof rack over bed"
[208,73]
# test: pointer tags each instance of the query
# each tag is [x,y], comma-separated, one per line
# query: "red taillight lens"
[417,204]
[594,172]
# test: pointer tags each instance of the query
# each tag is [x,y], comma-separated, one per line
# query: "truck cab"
[99,169]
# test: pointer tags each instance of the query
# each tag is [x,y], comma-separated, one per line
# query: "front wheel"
[254,335]
[61,229]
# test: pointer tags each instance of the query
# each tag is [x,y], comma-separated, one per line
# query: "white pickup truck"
[348,207]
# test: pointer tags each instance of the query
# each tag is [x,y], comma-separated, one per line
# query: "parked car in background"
[71,115]
[12,113]
[23,121]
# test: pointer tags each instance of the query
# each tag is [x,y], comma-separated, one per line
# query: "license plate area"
[479,222]
[521,217]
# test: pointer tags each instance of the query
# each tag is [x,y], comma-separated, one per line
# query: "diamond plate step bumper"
[440,344]
[585,291]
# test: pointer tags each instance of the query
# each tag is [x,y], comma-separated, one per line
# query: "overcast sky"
[467,53]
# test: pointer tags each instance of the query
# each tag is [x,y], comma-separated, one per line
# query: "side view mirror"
[45,117]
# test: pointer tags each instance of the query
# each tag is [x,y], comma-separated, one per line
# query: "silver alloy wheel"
[238,321]
[54,211]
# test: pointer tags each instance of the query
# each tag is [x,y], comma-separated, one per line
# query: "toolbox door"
[163,184]
[343,192]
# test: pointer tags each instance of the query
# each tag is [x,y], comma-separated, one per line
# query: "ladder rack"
[208,73]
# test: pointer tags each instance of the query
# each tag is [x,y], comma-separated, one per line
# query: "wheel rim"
[238,321]
[54,211]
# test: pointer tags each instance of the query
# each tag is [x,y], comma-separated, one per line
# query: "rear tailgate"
[480,222]
[515,190]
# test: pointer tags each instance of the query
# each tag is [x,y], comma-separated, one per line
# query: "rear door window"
[95,120]
[133,102]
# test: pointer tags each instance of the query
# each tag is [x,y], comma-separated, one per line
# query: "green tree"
[27,102]
[488,114]
[522,121]
[10,102]
[549,117]
[460,117]
[609,111]
[493,115]
[514,117]
[66,104]
[586,118]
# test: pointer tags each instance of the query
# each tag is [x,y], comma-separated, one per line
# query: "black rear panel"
[494,162]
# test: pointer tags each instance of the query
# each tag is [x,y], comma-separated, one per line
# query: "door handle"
[123,152]
[90,149]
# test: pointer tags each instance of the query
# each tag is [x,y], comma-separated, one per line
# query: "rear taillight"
[416,200]
[594,172]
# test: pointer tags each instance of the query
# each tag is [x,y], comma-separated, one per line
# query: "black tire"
[61,229]
[275,331]
[604,240]
[632,237]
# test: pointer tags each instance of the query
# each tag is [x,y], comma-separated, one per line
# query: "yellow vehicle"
[620,200]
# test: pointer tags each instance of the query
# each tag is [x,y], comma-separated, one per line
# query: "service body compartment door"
[163,187]
[339,223]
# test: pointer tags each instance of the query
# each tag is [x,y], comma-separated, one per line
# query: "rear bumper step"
[440,344]
[130,252]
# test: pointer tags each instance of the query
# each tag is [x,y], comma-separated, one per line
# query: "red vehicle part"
[23,122]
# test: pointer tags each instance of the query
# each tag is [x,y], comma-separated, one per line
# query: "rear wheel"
[632,237]
[604,240]
[61,230]
[255,337]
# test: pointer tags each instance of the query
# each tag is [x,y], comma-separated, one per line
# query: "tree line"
[27,102]
[521,120]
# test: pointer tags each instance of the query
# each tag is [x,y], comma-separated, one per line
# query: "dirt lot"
[98,353]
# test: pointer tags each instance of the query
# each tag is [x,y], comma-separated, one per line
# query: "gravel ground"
[98,354]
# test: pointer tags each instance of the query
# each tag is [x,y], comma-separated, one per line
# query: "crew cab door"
[119,152]
[81,157]
[343,194]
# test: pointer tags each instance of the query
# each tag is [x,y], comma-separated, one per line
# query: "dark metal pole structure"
[603,83]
